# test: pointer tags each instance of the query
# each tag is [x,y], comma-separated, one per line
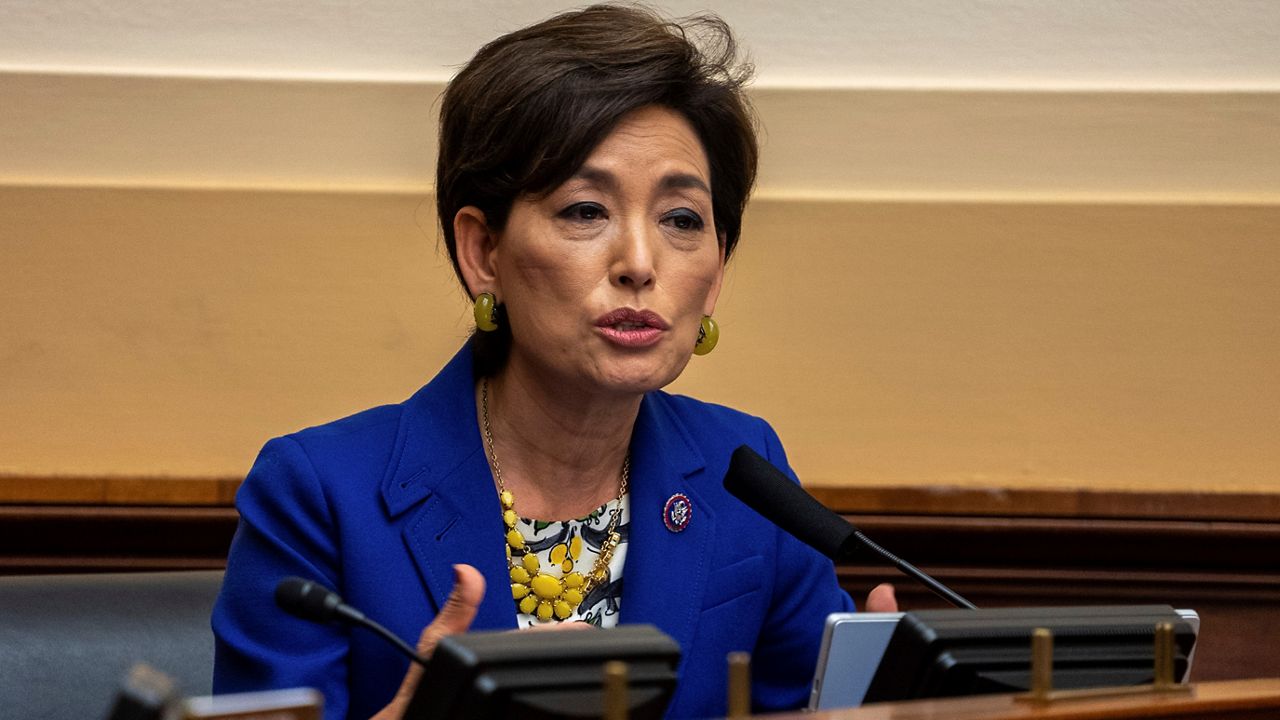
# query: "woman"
[592,175]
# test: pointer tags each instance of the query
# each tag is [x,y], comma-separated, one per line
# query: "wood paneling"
[186,492]
[1227,571]
[1216,554]
[883,500]
[92,538]
[1049,502]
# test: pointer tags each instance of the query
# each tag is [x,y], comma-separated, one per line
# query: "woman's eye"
[583,212]
[685,220]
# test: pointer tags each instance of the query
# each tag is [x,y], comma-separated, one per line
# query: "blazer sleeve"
[805,591]
[286,528]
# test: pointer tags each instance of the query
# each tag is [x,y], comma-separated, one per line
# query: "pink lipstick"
[631,328]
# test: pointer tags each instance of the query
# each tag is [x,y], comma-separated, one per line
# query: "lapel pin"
[676,513]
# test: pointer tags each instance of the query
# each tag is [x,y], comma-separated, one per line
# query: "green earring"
[486,304]
[708,336]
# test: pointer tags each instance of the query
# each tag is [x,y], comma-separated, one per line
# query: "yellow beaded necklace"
[536,592]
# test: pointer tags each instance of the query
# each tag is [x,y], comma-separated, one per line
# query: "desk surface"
[1234,699]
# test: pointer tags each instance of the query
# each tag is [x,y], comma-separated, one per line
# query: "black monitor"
[950,653]
[536,675]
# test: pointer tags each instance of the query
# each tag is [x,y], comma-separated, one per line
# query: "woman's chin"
[640,375]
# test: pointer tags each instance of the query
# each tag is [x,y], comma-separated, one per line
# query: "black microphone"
[768,491]
[311,601]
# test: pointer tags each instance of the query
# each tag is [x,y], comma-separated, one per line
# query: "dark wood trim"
[1178,546]
[54,565]
[886,500]
[934,500]
[1214,553]
[76,538]
[1056,502]
[1050,502]
[117,490]
[1228,571]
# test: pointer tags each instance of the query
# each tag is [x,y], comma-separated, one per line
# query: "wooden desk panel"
[1232,700]
[998,548]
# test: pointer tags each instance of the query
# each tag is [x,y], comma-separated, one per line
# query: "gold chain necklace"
[536,592]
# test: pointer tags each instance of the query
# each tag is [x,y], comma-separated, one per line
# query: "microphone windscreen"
[306,599]
[770,492]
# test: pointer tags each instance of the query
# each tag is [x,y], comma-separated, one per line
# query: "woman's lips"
[631,328]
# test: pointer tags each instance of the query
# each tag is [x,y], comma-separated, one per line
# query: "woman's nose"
[634,262]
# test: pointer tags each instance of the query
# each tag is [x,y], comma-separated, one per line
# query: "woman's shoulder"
[373,422]
[372,448]
[346,439]
[356,445]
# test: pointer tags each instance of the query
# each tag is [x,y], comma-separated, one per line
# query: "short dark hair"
[523,115]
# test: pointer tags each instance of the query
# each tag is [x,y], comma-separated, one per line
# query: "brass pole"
[1041,663]
[739,684]
[615,690]
[1164,655]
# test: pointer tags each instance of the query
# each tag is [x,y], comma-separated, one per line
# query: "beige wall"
[846,43]
[935,286]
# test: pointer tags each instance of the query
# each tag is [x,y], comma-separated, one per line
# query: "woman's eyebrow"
[671,181]
[684,181]
[596,176]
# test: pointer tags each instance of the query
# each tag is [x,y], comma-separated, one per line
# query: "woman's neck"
[561,450]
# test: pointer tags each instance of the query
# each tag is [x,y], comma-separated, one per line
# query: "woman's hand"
[455,617]
[881,599]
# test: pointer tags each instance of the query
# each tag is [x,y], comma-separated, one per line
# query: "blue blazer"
[380,506]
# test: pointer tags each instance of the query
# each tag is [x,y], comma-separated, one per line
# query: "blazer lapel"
[461,523]
[666,572]
[439,464]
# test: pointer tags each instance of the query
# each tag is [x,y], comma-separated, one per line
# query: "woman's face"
[606,278]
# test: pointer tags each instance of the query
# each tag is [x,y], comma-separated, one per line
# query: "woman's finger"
[458,611]
[455,617]
[881,599]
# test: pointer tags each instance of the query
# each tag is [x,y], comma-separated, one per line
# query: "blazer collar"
[437,434]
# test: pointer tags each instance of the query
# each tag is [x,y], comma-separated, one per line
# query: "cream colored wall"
[1018,44]
[1001,286]
[158,331]
[1005,344]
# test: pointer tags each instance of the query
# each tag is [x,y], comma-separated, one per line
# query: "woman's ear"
[474,243]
